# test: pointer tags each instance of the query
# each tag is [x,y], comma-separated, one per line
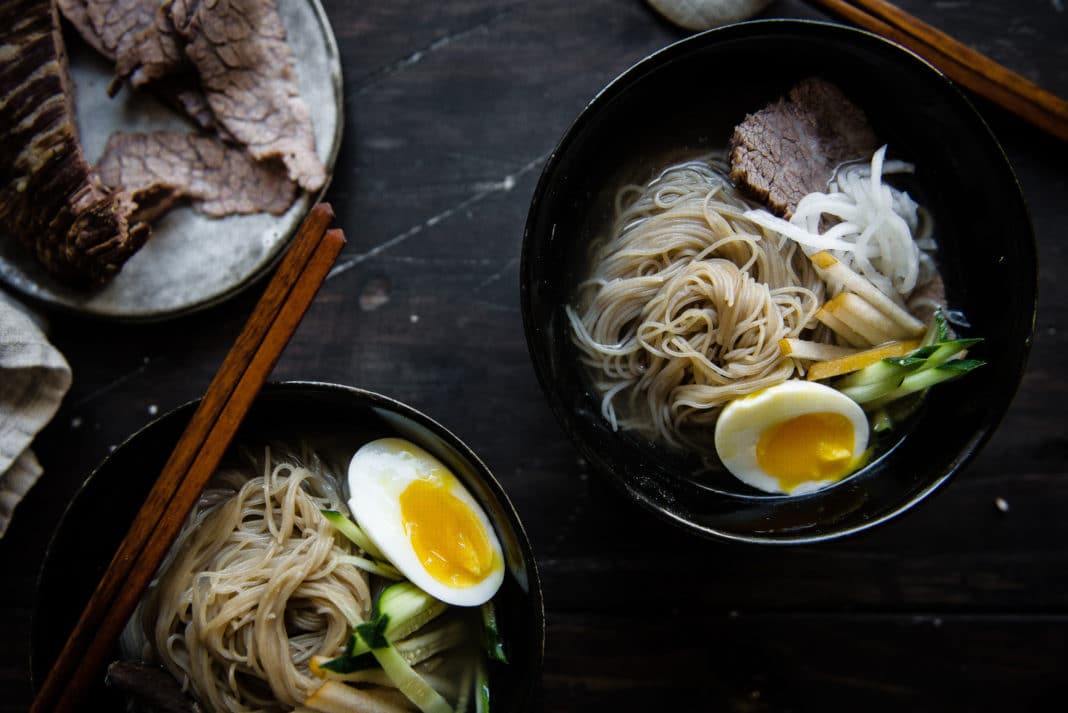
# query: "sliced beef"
[153,57]
[248,73]
[791,147]
[156,201]
[109,25]
[237,49]
[182,92]
[50,198]
[114,28]
[77,13]
[154,53]
[219,179]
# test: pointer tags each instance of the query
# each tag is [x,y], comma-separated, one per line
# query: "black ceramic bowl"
[684,101]
[329,417]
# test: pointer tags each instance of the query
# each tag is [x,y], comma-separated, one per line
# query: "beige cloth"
[34,377]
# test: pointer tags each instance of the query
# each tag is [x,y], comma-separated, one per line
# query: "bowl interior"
[328,417]
[683,102]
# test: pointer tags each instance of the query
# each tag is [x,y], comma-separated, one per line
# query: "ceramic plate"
[191,261]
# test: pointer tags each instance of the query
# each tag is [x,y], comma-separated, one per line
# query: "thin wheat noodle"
[255,586]
[686,302]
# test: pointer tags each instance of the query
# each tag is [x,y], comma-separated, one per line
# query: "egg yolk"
[814,446]
[447,537]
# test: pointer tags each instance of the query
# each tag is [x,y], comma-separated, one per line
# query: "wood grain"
[445,102]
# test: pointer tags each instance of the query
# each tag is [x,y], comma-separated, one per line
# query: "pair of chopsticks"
[962,64]
[191,464]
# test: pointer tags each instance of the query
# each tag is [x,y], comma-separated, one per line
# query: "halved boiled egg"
[425,522]
[795,437]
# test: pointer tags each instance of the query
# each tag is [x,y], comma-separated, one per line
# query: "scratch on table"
[370,80]
[476,157]
[497,275]
[505,184]
[110,386]
[483,191]
[450,262]
[488,306]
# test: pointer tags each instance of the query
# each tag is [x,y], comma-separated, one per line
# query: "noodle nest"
[686,303]
[256,585]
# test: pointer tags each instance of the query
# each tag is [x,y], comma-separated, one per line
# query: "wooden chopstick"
[192,462]
[964,65]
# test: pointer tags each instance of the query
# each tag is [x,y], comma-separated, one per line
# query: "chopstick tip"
[324,207]
[336,234]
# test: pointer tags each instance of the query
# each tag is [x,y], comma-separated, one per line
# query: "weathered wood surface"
[451,110]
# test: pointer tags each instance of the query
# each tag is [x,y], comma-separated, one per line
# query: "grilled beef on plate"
[50,198]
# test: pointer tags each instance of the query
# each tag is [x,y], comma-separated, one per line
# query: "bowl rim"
[535,592]
[663,56]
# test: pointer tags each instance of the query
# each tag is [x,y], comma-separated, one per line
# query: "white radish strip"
[872,225]
[799,235]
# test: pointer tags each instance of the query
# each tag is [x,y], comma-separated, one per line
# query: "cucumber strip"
[416,649]
[343,667]
[407,607]
[891,370]
[491,634]
[962,365]
[482,688]
[353,532]
[387,571]
[881,421]
[866,393]
[939,329]
[920,354]
[404,677]
[897,368]
[927,378]
[923,380]
[947,350]
[937,360]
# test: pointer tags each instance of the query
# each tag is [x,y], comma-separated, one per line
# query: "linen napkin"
[34,377]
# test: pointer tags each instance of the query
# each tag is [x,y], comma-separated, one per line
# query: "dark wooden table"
[451,109]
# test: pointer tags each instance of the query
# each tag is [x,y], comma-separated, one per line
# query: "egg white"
[378,474]
[744,420]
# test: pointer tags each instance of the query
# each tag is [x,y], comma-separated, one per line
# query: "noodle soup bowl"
[333,420]
[682,103]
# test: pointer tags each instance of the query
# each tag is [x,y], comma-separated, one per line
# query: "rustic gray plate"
[191,261]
